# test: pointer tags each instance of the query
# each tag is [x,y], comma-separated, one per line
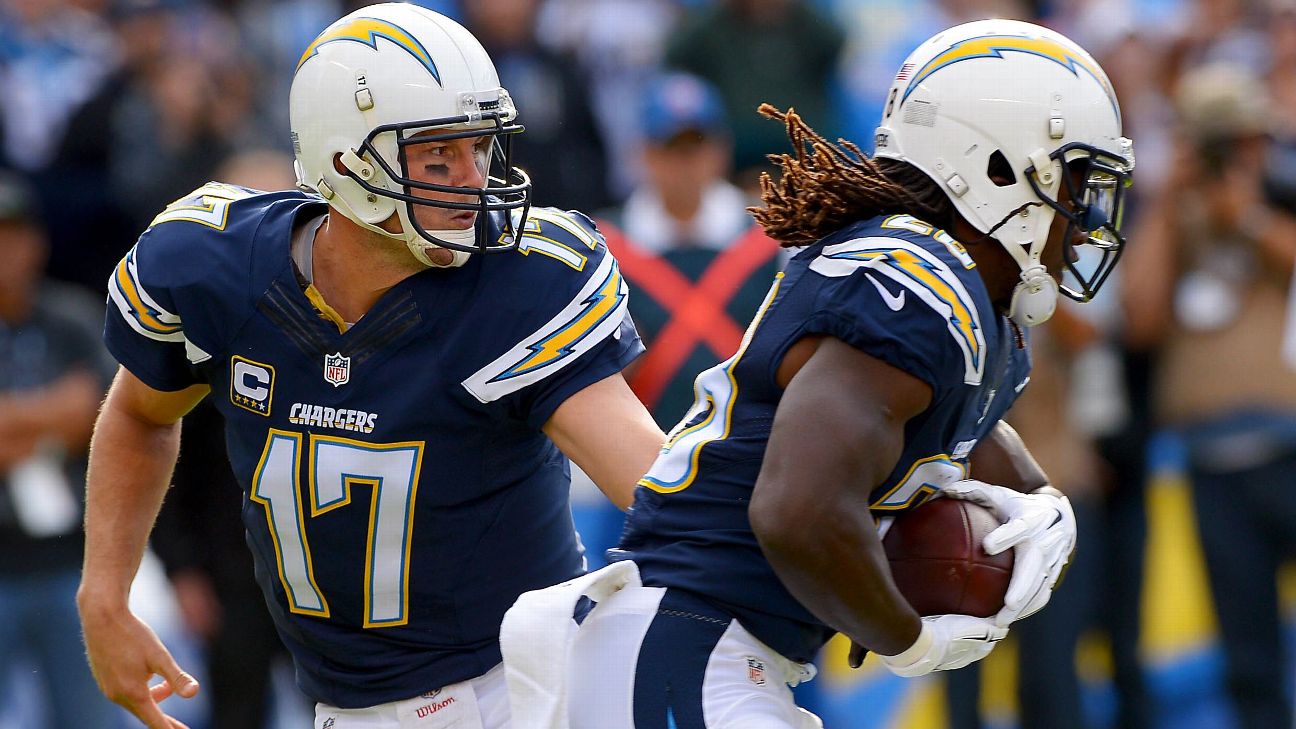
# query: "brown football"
[938,562]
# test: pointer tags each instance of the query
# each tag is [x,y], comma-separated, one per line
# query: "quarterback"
[406,355]
[873,377]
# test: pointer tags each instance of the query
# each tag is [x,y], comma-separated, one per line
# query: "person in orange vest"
[697,263]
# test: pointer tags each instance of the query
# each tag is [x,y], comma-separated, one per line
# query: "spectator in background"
[165,138]
[177,104]
[1113,397]
[1048,685]
[53,57]
[1106,402]
[619,46]
[1281,181]
[199,538]
[1056,420]
[1213,265]
[695,260]
[779,51]
[1221,32]
[53,372]
[84,194]
[561,150]
[698,264]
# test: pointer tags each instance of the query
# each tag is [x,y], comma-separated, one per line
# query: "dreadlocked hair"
[825,187]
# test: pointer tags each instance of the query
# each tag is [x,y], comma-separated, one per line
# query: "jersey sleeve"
[578,328]
[143,329]
[899,302]
[177,296]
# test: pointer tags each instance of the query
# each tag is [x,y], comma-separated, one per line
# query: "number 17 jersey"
[399,490]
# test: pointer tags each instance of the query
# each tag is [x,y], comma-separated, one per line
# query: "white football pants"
[478,703]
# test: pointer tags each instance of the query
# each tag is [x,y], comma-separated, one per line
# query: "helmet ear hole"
[999,171]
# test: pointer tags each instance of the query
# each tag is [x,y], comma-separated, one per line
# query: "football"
[938,563]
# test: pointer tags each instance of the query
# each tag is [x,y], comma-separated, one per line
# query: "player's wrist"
[103,601]
[921,646]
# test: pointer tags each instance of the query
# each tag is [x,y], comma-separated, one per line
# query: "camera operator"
[1208,285]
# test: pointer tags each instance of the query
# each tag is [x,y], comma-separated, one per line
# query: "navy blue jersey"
[399,491]
[892,287]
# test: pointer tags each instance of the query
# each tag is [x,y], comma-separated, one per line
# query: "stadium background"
[100,176]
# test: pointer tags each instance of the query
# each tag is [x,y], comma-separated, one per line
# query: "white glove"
[1040,528]
[945,643]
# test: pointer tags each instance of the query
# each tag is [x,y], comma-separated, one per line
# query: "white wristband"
[916,652]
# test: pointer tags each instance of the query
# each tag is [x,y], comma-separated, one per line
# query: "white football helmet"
[365,88]
[1004,96]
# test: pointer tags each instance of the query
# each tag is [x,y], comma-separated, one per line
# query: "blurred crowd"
[642,113]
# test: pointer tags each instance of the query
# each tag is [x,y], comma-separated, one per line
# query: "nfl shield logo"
[337,369]
[756,670]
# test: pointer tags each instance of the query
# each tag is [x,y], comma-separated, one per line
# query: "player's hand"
[1040,527]
[124,656]
[947,642]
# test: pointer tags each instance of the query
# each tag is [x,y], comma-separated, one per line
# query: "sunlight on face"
[454,163]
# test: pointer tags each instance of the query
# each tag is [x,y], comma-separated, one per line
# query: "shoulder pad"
[569,314]
[188,275]
[567,236]
[924,274]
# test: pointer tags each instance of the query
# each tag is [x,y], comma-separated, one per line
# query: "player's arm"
[607,431]
[132,454]
[838,433]
[1038,523]
[1002,458]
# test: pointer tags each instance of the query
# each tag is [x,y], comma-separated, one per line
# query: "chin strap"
[1034,298]
[422,248]
[422,251]
[1024,235]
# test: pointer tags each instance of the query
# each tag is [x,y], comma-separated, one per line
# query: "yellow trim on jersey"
[211,208]
[326,311]
[962,315]
[348,481]
[271,434]
[572,227]
[695,452]
[923,490]
[914,225]
[143,312]
[533,239]
[558,345]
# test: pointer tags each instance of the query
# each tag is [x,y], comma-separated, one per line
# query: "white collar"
[720,219]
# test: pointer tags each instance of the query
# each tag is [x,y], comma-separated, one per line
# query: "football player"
[405,357]
[873,377]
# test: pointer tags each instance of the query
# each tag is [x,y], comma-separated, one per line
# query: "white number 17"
[336,466]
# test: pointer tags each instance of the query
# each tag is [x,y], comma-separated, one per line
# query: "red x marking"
[697,310]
